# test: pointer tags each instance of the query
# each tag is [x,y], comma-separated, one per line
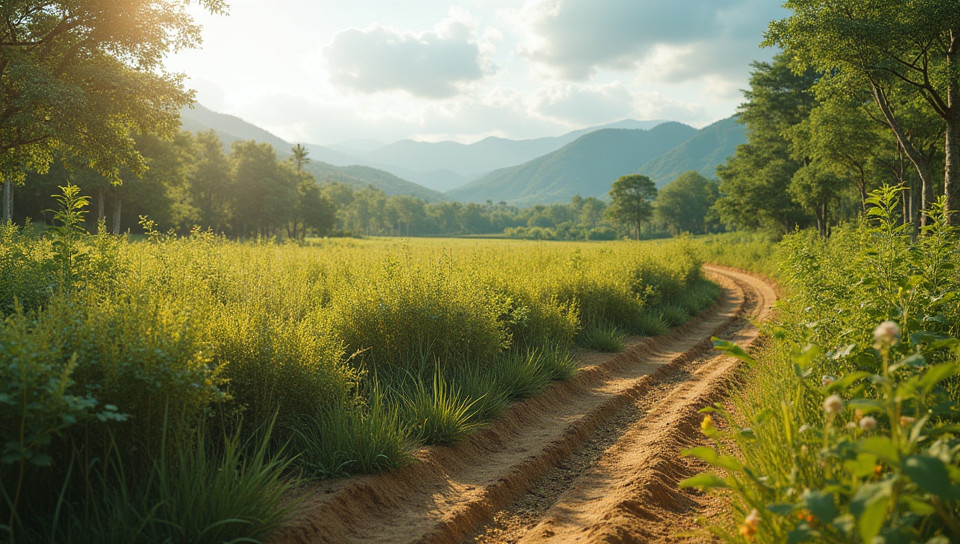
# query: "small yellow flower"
[707,425]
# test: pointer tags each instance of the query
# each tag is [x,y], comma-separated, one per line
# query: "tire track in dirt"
[617,426]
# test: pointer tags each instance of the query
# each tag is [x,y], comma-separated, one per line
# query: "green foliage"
[606,339]
[137,375]
[684,204]
[847,430]
[630,201]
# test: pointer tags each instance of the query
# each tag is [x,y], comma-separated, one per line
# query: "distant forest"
[248,191]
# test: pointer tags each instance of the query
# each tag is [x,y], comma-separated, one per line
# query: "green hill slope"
[587,166]
[712,145]
[231,129]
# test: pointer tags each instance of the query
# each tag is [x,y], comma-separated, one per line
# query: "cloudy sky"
[327,71]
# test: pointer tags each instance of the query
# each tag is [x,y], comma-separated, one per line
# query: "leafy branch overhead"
[79,78]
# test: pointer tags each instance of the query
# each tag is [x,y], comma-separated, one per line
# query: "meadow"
[180,387]
[846,428]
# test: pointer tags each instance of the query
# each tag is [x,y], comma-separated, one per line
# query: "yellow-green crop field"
[183,381]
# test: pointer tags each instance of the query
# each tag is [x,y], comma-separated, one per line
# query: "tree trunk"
[951,175]
[916,157]
[7,202]
[116,212]
[101,197]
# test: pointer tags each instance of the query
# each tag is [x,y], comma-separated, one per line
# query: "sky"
[329,71]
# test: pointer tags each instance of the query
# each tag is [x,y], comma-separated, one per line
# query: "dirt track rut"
[594,459]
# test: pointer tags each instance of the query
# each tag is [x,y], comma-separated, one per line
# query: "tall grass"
[118,358]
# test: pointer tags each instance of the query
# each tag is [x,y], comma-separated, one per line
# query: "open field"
[134,370]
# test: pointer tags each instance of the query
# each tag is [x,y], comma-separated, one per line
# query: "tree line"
[864,94]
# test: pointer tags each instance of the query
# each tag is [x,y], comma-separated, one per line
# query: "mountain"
[711,146]
[447,165]
[325,164]
[587,166]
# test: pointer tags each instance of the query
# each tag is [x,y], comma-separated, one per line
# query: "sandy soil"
[593,459]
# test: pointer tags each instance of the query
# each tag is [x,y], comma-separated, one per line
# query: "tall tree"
[84,76]
[630,201]
[299,157]
[755,180]
[891,48]
[685,204]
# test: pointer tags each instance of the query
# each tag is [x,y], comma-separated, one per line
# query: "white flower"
[833,404]
[887,334]
[827,379]
[868,423]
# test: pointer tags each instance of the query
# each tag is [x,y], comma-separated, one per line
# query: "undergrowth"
[848,429]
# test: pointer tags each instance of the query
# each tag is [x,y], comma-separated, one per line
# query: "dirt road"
[589,460]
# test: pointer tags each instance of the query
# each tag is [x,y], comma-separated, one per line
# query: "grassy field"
[178,387]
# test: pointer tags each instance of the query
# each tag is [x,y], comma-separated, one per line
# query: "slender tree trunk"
[101,197]
[7,202]
[116,211]
[920,162]
[951,176]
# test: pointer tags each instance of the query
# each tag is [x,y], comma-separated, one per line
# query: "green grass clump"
[606,339]
[651,323]
[674,314]
[438,414]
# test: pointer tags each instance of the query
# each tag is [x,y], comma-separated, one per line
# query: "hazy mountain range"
[535,171]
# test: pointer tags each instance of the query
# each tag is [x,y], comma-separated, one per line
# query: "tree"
[299,157]
[891,48]
[754,182]
[83,77]
[210,180]
[685,204]
[631,198]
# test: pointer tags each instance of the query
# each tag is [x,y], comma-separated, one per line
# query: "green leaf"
[863,466]
[843,383]
[732,349]
[713,458]
[704,481]
[931,475]
[937,374]
[820,504]
[867,406]
[801,533]
[882,447]
[869,506]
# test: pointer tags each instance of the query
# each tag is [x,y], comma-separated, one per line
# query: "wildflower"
[906,420]
[857,414]
[804,449]
[827,379]
[887,334]
[851,425]
[878,470]
[833,404]
[707,425]
[748,529]
[868,423]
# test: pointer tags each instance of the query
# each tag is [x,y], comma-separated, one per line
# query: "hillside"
[448,165]
[231,129]
[587,167]
[711,146]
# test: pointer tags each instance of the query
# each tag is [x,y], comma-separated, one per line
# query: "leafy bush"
[848,430]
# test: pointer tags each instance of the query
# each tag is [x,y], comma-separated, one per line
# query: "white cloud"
[576,104]
[432,64]
[576,39]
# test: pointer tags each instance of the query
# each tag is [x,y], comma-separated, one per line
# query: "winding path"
[592,459]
